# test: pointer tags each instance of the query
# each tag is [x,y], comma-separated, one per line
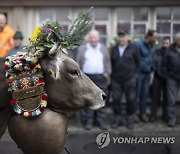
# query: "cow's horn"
[56,44]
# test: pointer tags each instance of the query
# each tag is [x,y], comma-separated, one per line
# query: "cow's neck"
[4,95]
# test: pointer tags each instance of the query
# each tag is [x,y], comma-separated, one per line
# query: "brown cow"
[70,91]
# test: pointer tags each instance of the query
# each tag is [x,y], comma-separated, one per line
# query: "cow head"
[68,88]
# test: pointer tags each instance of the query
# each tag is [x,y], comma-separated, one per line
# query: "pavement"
[80,141]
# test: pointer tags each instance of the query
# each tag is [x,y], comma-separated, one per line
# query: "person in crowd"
[125,62]
[146,48]
[18,44]
[6,36]
[172,69]
[94,60]
[159,81]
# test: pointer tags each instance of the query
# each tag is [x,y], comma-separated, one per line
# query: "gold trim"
[26,93]
[30,104]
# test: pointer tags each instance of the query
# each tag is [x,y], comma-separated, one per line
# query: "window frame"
[132,22]
[171,21]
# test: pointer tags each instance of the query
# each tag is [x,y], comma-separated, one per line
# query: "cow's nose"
[104,96]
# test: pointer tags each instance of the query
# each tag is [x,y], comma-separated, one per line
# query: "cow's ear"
[5,114]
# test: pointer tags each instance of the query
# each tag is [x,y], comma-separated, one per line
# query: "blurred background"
[135,16]
[110,17]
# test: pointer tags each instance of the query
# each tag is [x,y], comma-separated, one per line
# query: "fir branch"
[79,28]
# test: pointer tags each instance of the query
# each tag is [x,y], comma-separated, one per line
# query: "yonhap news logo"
[104,139]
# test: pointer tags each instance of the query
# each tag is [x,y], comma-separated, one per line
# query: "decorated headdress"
[49,35]
[24,76]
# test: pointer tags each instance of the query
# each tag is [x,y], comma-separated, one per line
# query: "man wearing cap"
[125,62]
[6,36]
[18,47]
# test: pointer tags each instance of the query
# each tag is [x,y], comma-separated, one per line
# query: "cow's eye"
[73,72]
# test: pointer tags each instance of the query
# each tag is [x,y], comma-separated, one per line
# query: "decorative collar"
[25,82]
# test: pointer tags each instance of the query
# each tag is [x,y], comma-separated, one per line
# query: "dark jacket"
[172,63]
[146,56]
[125,67]
[157,65]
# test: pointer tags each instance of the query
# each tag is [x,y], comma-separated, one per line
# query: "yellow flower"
[35,33]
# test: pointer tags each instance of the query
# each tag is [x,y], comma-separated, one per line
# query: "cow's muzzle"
[100,101]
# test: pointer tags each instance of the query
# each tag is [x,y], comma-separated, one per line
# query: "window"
[139,30]
[101,20]
[176,14]
[163,14]
[167,22]
[124,26]
[140,14]
[133,20]
[56,14]
[101,14]
[175,22]
[102,29]
[163,24]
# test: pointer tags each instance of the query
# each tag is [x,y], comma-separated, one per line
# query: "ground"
[80,141]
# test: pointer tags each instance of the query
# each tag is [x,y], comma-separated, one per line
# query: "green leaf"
[48,45]
[39,48]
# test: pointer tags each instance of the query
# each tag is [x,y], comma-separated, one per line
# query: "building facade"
[135,16]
